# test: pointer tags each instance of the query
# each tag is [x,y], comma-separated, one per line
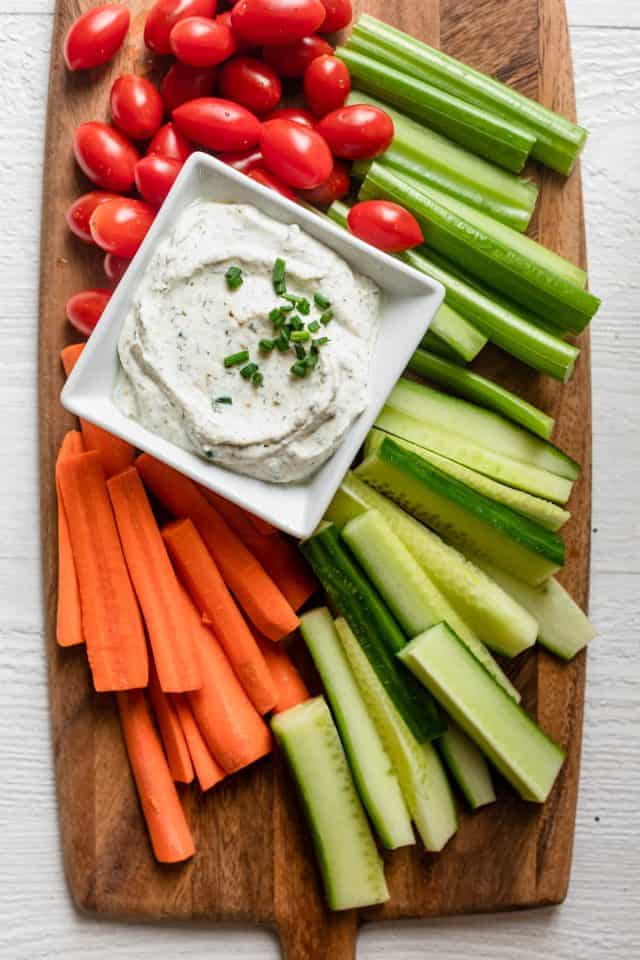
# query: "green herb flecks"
[236,358]
[267,345]
[218,400]
[314,326]
[248,371]
[257,379]
[300,336]
[278,277]
[234,278]
[326,317]
[321,301]
[299,368]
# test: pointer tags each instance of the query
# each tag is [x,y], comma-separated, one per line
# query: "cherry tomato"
[268,179]
[155,176]
[243,160]
[218,124]
[84,309]
[105,155]
[385,225]
[115,267]
[241,46]
[338,15]
[202,43]
[297,114]
[164,15]
[292,59]
[296,154]
[94,37]
[169,142]
[357,131]
[136,106]
[276,21]
[79,213]
[326,84]
[250,82]
[334,188]
[182,83]
[120,226]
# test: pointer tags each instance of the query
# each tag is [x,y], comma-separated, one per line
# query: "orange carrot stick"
[208,770]
[253,588]
[155,584]
[289,684]
[69,614]
[116,454]
[168,830]
[262,526]
[171,732]
[200,575]
[281,559]
[111,620]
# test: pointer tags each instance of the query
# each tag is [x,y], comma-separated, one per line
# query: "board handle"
[319,937]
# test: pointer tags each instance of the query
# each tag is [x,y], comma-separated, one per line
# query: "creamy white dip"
[185,320]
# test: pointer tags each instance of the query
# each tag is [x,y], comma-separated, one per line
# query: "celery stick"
[484,133]
[432,342]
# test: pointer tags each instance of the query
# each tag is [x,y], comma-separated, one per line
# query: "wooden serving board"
[255,862]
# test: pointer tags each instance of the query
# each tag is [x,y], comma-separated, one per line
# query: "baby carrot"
[173,739]
[69,614]
[111,621]
[168,830]
[208,771]
[289,684]
[262,526]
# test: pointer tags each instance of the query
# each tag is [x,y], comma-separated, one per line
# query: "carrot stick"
[168,830]
[289,684]
[116,454]
[200,575]
[281,559]
[111,621]
[171,731]
[262,526]
[155,584]
[208,770]
[253,588]
[69,614]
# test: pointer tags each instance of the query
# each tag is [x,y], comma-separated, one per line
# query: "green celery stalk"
[430,158]
[558,141]
[432,342]
[482,132]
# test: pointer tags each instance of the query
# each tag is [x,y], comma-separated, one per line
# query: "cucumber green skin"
[505,733]
[352,870]
[371,767]
[375,628]
[467,766]
[477,389]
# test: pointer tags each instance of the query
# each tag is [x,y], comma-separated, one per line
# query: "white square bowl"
[409,302]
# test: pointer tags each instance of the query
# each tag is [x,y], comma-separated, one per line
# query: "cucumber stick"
[418,767]
[550,515]
[505,733]
[353,596]
[467,766]
[491,613]
[467,420]
[376,782]
[514,473]
[351,867]
[466,519]
[410,593]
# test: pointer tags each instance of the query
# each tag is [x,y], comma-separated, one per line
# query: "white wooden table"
[602,914]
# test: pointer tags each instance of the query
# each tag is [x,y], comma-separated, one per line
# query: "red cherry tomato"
[105,155]
[268,179]
[136,106]
[202,43]
[169,142]
[79,213]
[292,59]
[276,21]
[84,309]
[155,176]
[326,84]
[296,154]
[241,46]
[357,131]
[120,226]
[385,225]
[164,15]
[338,15]
[334,188]
[94,37]
[182,83]
[115,267]
[250,82]
[244,160]
[218,124]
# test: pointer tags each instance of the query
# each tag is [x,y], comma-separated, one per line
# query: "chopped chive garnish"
[299,369]
[279,321]
[321,301]
[248,371]
[292,298]
[314,326]
[326,317]
[312,359]
[320,341]
[296,323]
[233,277]
[301,353]
[286,308]
[275,315]
[235,358]
[222,400]
[267,345]
[278,277]
[282,343]
[304,306]
[299,336]
[257,379]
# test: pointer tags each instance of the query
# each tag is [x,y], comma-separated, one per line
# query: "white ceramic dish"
[409,303]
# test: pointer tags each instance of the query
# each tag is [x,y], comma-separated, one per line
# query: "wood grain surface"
[254,861]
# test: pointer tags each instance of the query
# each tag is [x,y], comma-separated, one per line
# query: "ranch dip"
[188,316]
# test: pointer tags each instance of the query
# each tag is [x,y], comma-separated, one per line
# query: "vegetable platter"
[254,860]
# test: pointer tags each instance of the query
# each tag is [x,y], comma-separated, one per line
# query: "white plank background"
[602,913]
